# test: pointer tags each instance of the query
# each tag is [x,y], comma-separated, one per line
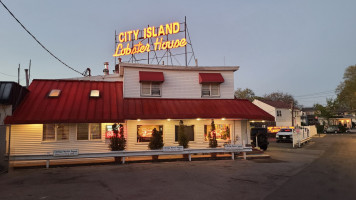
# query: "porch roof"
[157,108]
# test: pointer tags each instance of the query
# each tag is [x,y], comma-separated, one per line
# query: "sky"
[297,47]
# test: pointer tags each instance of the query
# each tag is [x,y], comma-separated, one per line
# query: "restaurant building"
[79,113]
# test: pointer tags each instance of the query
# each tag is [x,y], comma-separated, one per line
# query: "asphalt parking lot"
[204,179]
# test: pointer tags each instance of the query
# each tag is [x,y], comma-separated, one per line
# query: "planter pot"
[155,158]
[118,160]
[213,155]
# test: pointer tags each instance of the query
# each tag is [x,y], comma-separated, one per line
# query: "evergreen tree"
[156,141]
[183,139]
[213,143]
[117,141]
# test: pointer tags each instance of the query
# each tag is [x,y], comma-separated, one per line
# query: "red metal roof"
[72,106]
[75,106]
[157,108]
[210,78]
[151,76]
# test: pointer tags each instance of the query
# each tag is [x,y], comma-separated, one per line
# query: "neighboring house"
[11,95]
[79,114]
[308,116]
[281,111]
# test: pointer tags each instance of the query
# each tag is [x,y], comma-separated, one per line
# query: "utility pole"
[292,108]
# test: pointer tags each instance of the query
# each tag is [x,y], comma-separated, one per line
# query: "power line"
[313,94]
[39,41]
[7,74]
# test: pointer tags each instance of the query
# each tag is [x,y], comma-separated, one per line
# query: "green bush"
[320,128]
[213,143]
[117,141]
[156,141]
[183,139]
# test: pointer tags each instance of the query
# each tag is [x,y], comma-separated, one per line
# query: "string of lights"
[39,41]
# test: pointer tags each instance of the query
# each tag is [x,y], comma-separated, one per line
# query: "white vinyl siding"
[177,84]
[169,132]
[27,139]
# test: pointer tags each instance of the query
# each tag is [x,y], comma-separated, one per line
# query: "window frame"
[279,113]
[210,89]
[89,136]
[176,128]
[159,84]
[160,128]
[218,139]
[56,132]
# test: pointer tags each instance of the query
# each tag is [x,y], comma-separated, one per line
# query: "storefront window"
[189,130]
[88,131]
[55,132]
[144,132]
[222,132]
[49,133]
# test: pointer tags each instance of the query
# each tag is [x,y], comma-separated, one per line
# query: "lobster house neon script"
[126,46]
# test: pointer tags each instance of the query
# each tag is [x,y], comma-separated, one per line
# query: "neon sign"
[149,32]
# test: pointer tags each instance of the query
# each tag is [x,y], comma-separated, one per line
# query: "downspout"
[8,151]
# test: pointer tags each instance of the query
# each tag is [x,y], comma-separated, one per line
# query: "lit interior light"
[252,121]
[263,120]
[223,118]
[138,120]
[198,119]
[94,93]
[168,119]
[54,93]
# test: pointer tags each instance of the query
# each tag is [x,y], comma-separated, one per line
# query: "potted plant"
[156,142]
[117,141]
[183,139]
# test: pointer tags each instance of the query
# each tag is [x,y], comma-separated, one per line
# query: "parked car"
[285,135]
[332,129]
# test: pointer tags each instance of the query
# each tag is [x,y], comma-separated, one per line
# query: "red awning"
[210,78]
[151,76]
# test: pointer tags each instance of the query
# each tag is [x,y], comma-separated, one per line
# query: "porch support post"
[244,153]
[47,164]
[190,157]
[232,155]
[123,160]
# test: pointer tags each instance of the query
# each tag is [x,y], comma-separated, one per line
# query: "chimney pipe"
[27,79]
[196,62]
[106,68]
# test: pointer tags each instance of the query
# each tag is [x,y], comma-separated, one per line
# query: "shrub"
[156,141]
[213,143]
[117,141]
[183,139]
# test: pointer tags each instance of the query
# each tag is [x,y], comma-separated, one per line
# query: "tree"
[280,96]
[327,111]
[117,141]
[183,139]
[346,91]
[245,94]
[156,141]
[213,143]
